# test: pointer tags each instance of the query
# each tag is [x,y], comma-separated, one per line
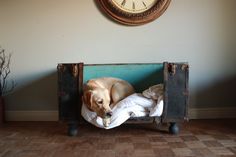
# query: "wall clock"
[134,12]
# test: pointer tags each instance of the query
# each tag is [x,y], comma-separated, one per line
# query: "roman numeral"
[133,6]
[144,4]
[123,3]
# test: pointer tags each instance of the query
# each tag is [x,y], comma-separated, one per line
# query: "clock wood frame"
[133,19]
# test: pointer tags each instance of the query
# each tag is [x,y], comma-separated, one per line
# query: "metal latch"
[185,67]
[172,68]
[75,70]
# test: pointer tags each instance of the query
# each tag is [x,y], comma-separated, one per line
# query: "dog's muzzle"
[108,115]
[107,119]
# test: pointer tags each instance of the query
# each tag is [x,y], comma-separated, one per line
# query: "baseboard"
[194,113]
[212,113]
[31,115]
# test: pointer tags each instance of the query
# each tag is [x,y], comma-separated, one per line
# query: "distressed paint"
[176,92]
[141,76]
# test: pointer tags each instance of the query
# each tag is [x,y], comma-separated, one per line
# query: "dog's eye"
[100,101]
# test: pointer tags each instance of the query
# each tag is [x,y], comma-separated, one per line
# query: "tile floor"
[209,138]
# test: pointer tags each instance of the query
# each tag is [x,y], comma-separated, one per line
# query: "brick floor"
[210,138]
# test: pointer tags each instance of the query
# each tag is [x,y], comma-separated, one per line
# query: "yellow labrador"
[102,94]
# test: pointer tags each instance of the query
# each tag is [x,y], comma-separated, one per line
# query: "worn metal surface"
[141,76]
[176,92]
[68,91]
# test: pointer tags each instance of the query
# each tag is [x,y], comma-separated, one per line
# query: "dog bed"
[149,103]
[174,77]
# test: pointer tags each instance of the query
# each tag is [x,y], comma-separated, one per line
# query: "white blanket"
[135,105]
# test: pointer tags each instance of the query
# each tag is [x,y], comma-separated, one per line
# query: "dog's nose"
[108,114]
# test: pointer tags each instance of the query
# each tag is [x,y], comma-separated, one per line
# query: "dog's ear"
[87,98]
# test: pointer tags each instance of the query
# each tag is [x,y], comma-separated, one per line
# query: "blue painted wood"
[141,76]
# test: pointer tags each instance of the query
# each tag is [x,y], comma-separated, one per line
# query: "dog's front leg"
[112,105]
[118,92]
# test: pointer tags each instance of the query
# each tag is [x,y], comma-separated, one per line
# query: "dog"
[102,94]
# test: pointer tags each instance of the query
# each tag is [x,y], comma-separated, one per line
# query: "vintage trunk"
[174,76]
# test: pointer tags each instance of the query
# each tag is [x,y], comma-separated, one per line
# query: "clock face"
[134,12]
[134,6]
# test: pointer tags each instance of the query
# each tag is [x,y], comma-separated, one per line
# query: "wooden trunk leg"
[72,128]
[173,128]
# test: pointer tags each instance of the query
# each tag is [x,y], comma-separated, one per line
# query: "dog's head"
[98,100]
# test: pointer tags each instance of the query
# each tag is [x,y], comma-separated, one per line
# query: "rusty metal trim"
[187,90]
[172,68]
[185,67]
[120,64]
[80,88]
[75,70]
[165,82]
[60,67]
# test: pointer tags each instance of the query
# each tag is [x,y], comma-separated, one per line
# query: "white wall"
[42,33]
